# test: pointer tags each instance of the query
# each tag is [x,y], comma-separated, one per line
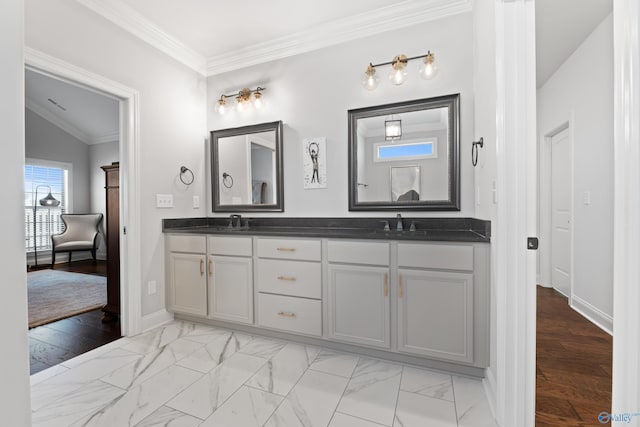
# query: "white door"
[187,285]
[561,205]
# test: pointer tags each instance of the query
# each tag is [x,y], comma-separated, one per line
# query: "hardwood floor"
[67,338]
[573,380]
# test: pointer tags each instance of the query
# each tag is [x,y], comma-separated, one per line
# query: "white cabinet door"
[435,314]
[187,284]
[359,304]
[231,288]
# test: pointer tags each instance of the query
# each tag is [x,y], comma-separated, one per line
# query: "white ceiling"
[561,26]
[214,36]
[90,116]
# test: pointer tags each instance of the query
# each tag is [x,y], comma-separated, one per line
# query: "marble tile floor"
[184,374]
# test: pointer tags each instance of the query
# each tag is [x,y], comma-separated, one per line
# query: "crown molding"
[56,121]
[113,137]
[132,21]
[405,14]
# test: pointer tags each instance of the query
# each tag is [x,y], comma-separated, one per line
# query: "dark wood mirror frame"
[216,181]
[452,203]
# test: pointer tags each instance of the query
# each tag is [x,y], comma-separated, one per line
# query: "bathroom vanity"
[418,297]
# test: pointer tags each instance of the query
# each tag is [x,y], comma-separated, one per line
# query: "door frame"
[545,204]
[515,279]
[130,253]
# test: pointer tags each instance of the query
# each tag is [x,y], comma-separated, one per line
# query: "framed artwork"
[314,162]
[405,183]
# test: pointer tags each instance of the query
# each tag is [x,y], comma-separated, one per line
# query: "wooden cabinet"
[112,239]
[231,288]
[289,282]
[359,304]
[203,280]
[435,314]
[230,271]
[187,290]
[187,274]
[426,299]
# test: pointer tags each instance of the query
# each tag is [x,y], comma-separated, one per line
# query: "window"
[414,150]
[40,176]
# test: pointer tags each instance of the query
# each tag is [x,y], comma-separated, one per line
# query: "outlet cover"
[196,202]
[164,200]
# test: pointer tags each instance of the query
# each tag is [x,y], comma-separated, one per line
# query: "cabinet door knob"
[286,314]
[400,290]
[386,284]
[287,278]
[201,267]
[286,249]
[210,267]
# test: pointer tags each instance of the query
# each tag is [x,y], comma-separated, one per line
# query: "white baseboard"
[593,314]
[158,318]
[489,385]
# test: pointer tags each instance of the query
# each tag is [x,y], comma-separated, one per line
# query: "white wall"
[312,92]
[484,56]
[172,114]
[582,90]
[101,155]
[15,404]
[46,141]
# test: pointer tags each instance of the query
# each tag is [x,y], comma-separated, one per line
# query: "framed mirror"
[246,169]
[405,156]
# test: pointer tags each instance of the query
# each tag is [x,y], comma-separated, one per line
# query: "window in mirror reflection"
[405,151]
[251,161]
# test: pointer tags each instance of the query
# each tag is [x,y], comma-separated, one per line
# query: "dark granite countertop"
[427,229]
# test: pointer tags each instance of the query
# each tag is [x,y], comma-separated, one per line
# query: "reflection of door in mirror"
[263,167]
[423,145]
[250,160]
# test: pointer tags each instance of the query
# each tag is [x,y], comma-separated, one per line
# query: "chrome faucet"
[399,226]
[238,221]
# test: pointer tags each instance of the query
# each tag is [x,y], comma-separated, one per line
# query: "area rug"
[54,295]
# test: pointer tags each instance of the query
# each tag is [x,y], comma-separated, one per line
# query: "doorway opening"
[127,206]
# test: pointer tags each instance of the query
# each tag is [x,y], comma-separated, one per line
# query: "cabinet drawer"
[372,253]
[300,249]
[447,257]
[230,246]
[295,278]
[191,244]
[292,314]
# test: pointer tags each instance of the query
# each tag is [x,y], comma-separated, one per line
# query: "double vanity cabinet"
[411,300]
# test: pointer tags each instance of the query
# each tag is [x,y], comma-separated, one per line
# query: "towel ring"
[474,150]
[227,180]
[183,170]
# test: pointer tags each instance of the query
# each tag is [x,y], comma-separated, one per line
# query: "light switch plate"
[164,200]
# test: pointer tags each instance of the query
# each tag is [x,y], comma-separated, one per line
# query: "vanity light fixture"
[392,129]
[244,98]
[398,74]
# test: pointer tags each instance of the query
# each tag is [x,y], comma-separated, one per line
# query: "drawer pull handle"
[287,314]
[287,279]
[386,284]
[286,249]
[201,267]
[401,292]
[210,268]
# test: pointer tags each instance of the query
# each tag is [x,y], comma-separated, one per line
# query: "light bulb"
[370,79]
[428,69]
[257,100]
[240,106]
[398,70]
[221,106]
